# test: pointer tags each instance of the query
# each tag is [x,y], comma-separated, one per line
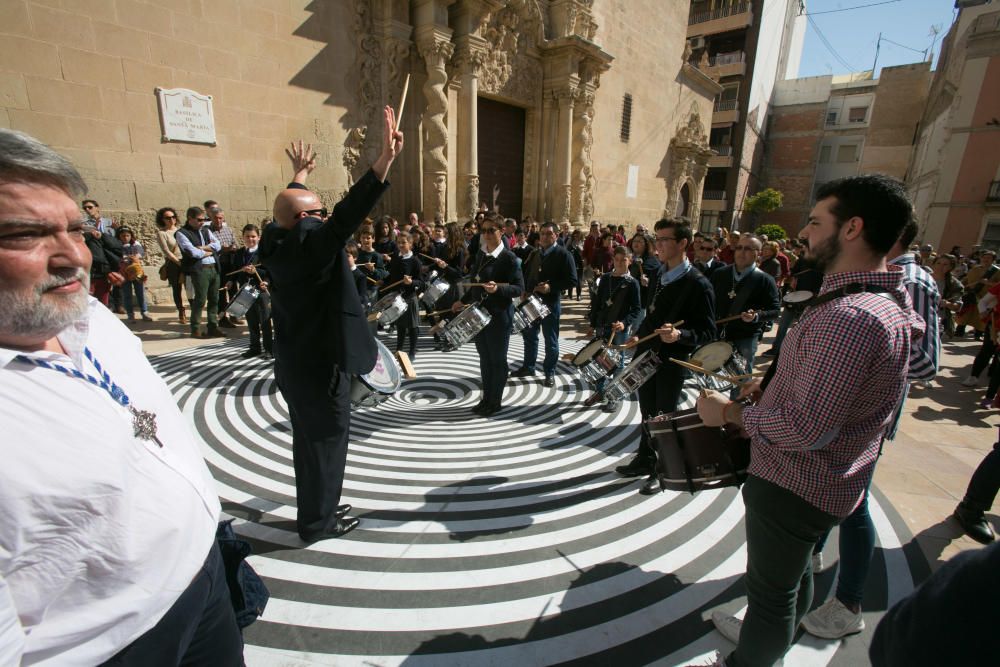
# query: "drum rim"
[396,371]
[809,294]
[717,343]
[385,299]
[598,343]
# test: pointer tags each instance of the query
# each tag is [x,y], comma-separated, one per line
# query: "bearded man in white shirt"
[107,510]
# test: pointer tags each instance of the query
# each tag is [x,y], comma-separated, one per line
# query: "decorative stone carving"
[688,157]
[583,114]
[352,152]
[436,52]
[506,67]
[369,64]
[472,195]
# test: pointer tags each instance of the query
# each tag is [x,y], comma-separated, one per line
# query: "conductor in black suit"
[500,274]
[322,336]
[744,290]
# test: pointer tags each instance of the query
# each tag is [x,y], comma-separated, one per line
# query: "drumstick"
[729,319]
[389,287]
[371,280]
[611,337]
[717,376]
[427,256]
[645,338]
[483,284]
[402,101]
[241,270]
[439,312]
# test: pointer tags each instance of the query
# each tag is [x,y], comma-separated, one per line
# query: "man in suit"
[705,256]
[681,294]
[322,333]
[497,271]
[548,272]
[744,290]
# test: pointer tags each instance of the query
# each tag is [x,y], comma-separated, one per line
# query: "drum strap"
[679,438]
[743,294]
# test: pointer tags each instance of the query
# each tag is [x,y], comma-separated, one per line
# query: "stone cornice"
[700,81]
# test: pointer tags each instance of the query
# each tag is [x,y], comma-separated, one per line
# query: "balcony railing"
[726,59]
[714,195]
[994,192]
[725,105]
[722,150]
[720,13]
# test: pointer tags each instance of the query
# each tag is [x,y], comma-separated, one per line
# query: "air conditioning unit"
[697,43]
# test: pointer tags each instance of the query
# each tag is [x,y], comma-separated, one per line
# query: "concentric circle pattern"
[501,541]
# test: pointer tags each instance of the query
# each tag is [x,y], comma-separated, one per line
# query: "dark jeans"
[259,322]
[856,545]
[985,354]
[550,332]
[176,280]
[204,289]
[782,529]
[985,481]
[199,629]
[136,288]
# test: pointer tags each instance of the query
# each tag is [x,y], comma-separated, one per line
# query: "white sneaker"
[728,626]
[833,620]
[817,562]
[970,381]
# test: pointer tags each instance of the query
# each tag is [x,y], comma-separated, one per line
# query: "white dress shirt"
[100,531]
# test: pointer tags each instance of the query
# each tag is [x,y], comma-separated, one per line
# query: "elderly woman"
[769,263]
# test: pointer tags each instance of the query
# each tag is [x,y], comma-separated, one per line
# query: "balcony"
[724,157]
[733,16]
[713,200]
[727,64]
[725,113]
[993,194]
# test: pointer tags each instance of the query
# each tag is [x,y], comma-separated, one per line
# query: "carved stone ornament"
[506,68]
[688,158]
[369,64]
[352,151]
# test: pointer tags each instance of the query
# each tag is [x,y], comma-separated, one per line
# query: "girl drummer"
[406,269]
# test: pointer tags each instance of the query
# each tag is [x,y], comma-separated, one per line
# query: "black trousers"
[259,322]
[659,394]
[319,405]
[199,629]
[985,482]
[491,344]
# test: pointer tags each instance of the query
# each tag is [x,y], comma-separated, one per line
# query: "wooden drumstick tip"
[402,101]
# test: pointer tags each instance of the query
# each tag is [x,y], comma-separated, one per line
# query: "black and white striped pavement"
[502,541]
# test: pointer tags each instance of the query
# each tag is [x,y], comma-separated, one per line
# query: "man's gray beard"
[33,313]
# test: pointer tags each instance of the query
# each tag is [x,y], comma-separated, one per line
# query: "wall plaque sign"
[186,116]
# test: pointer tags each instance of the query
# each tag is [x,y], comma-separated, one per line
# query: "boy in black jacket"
[259,314]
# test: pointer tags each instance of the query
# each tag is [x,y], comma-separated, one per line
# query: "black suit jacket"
[709,271]
[689,298]
[762,296]
[557,268]
[316,309]
[503,269]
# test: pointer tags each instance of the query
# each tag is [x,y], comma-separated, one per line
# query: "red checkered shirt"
[816,430]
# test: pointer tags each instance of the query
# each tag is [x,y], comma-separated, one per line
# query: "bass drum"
[377,385]
[688,452]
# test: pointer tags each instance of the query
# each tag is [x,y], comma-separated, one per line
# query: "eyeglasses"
[321,212]
[88,207]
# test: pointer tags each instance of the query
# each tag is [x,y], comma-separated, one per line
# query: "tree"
[773,232]
[765,201]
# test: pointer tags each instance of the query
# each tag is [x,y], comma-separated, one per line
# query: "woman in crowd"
[769,263]
[645,267]
[384,243]
[950,288]
[166,223]
[602,259]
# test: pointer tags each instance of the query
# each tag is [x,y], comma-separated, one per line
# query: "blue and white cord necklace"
[143,421]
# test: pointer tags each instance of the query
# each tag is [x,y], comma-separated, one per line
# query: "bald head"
[290,206]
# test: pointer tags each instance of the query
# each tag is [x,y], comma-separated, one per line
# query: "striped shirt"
[925,351]
[817,428]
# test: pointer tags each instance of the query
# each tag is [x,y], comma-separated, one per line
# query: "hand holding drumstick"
[668,333]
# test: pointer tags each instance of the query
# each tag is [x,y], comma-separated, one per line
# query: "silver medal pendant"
[144,424]
[732,294]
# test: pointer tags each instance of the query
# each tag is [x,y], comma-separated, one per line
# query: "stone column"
[583,115]
[563,176]
[468,60]
[435,47]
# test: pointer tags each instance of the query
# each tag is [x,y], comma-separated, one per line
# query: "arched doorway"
[684,200]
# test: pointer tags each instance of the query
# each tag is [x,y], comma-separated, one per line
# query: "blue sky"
[853,34]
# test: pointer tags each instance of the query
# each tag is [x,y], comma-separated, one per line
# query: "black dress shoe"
[341,510]
[974,524]
[250,354]
[342,527]
[479,407]
[549,381]
[637,467]
[652,486]
[522,372]
[491,409]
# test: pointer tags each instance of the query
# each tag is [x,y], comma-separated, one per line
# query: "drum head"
[584,356]
[385,377]
[799,296]
[385,302]
[711,357]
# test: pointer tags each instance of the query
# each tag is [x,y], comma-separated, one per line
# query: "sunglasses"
[170,217]
[321,212]
[88,207]
[202,219]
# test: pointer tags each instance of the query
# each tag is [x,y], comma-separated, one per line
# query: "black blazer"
[709,271]
[557,269]
[689,298]
[316,309]
[503,269]
[762,297]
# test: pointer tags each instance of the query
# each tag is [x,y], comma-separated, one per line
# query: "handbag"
[163,271]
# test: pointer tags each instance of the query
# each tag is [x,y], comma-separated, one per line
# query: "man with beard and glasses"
[817,427]
[109,513]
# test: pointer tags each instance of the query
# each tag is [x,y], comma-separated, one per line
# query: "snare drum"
[721,358]
[798,299]
[243,302]
[464,327]
[389,308]
[690,452]
[596,361]
[634,376]
[528,313]
[379,383]
[438,288]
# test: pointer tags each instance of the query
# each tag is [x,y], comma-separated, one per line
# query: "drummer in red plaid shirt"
[816,429]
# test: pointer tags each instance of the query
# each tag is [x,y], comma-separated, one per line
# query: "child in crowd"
[406,269]
[259,314]
[134,289]
[615,308]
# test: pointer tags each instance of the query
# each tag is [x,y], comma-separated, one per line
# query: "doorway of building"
[501,155]
[684,200]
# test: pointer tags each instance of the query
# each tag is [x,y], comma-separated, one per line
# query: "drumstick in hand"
[645,338]
[395,284]
[402,101]
[483,284]
[729,319]
[427,256]
[371,280]
[717,376]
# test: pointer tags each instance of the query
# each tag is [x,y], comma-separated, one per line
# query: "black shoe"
[342,527]
[652,486]
[522,372]
[341,510]
[549,381]
[974,524]
[227,323]
[491,409]
[637,467]
[250,354]
[479,407]
[213,332]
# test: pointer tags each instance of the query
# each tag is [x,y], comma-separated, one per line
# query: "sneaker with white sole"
[728,626]
[833,620]
[970,381]
[817,562]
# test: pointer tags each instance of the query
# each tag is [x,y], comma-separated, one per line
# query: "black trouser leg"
[985,482]
[986,352]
